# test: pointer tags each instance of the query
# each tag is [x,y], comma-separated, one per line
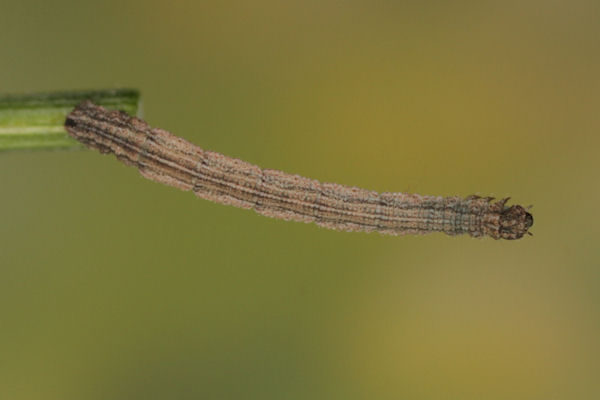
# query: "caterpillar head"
[515,222]
[509,222]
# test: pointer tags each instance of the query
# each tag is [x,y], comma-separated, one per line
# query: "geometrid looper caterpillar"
[168,159]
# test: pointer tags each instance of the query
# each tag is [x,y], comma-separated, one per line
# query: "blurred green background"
[115,287]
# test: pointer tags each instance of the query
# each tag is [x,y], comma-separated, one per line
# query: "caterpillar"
[165,158]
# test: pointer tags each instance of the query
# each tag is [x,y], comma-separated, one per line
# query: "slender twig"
[168,159]
[36,121]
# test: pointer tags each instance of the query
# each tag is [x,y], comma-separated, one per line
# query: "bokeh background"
[115,287]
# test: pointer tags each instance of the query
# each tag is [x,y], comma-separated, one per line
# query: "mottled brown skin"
[507,222]
[168,159]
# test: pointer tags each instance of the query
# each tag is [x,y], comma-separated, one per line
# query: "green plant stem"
[36,121]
